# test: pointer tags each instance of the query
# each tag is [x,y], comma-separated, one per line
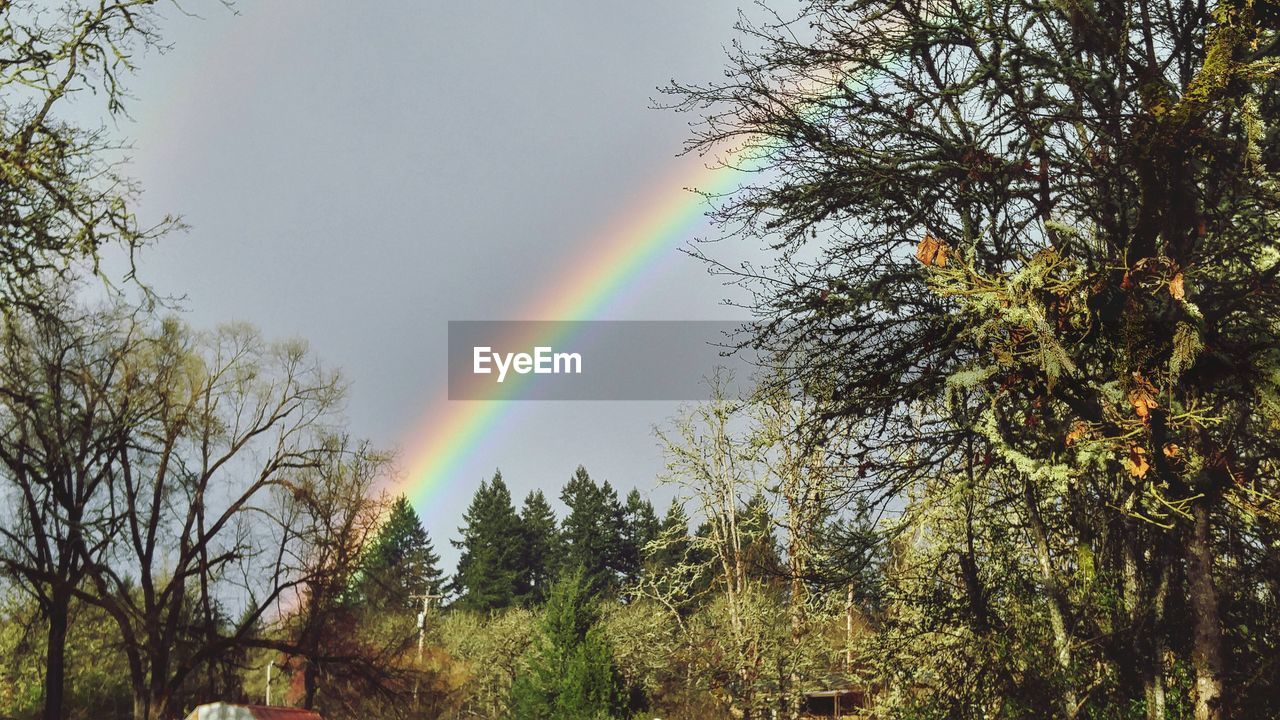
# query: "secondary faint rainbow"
[608,267]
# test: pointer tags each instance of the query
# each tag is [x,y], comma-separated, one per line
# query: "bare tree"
[337,516]
[800,461]
[62,194]
[713,466]
[194,486]
[235,418]
[65,414]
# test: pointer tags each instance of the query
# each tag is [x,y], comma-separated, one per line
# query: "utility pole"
[270,665]
[422,634]
[848,631]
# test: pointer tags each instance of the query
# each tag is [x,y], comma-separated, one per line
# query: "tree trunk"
[848,630]
[1208,656]
[1145,609]
[1154,690]
[146,706]
[797,560]
[159,708]
[310,675]
[1058,608]
[794,699]
[1155,694]
[150,697]
[56,655]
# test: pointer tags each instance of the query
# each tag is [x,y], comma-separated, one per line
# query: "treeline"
[612,612]
[641,600]
[186,522]
[609,611]
[510,557]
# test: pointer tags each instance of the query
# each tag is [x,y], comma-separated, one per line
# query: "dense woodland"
[1013,454]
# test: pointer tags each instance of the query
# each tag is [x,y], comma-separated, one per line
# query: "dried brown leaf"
[932,251]
[1143,397]
[1138,464]
[1077,432]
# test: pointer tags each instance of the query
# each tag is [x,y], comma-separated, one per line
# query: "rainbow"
[613,264]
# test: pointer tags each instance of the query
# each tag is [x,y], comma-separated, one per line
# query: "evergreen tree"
[571,673]
[674,534]
[400,563]
[641,528]
[541,548]
[761,549]
[593,531]
[489,568]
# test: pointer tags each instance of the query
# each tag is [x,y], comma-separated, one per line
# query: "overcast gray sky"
[358,174]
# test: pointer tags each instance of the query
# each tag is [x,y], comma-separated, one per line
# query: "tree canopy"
[1032,249]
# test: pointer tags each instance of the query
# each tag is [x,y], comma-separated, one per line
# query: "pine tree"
[641,528]
[489,567]
[400,563]
[674,534]
[593,531]
[571,673]
[541,548]
[761,549]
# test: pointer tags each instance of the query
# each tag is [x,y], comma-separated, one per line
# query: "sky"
[359,174]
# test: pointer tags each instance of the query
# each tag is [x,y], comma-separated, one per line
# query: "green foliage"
[400,563]
[571,674]
[594,532]
[671,545]
[97,677]
[640,527]
[486,653]
[648,650]
[542,548]
[489,567]
[760,545]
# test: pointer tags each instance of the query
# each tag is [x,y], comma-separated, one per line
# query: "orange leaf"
[1077,432]
[1138,465]
[1172,451]
[932,251]
[1175,287]
[1142,396]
